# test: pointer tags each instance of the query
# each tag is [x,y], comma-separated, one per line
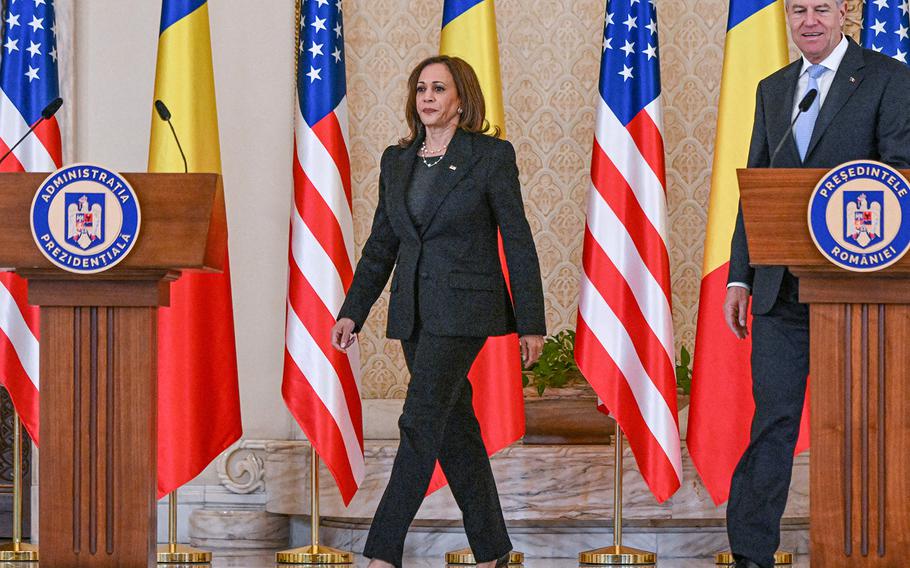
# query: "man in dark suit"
[862,111]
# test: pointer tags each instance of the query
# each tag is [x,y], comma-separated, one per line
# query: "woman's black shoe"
[743,562]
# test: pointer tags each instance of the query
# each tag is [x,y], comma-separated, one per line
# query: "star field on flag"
[629,73]
[886,26]
[321,59]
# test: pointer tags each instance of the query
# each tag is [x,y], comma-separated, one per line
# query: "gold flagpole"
[617,555]
[17,551]
[465,557]
[315,553]
[173,553]
[781,558]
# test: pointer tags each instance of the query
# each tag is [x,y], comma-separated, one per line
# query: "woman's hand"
[531,347]
[343,334]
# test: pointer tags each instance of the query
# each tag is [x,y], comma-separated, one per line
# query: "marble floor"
[269,562]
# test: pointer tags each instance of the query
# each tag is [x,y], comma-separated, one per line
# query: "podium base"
[781,558]
[617,556]
[181,554]
[22,552]
[464,557]
[314,554]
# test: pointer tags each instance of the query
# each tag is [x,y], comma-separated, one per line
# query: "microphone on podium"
[46,113]
[52,108]
[803,106]
[165,115]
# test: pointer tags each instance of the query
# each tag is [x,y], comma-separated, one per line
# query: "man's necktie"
[802,131]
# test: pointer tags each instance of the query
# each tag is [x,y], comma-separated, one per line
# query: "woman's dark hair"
[473,108]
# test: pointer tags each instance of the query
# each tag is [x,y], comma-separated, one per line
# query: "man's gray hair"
[838,2]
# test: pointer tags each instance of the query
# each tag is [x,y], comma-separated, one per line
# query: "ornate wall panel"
[854,18]
[549,56]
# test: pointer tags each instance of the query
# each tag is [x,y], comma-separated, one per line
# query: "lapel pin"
[452,167]
[853,79]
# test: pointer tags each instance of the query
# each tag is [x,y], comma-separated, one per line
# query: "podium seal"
[859,216]
[85,218]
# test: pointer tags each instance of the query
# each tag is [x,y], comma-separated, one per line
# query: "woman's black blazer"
[452,263]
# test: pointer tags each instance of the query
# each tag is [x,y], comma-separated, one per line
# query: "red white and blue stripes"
[28,82]
[624,343]
[321,385]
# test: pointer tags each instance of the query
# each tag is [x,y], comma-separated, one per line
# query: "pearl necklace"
[424,151]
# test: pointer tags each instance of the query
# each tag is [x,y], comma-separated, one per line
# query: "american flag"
[624,342]
[886,25]
[28,82]
[321,386]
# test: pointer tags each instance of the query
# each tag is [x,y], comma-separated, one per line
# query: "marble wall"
[550,56]
[557,501]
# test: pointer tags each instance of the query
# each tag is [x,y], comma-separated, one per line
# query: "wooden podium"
[98,366]
[860,370]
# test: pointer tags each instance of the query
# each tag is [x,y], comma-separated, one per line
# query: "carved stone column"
[235,522]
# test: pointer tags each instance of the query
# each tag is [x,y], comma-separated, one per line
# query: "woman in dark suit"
[444,191]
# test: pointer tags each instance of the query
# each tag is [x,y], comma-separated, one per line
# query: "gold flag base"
[617,556]
[181,554]
[314,554]
[18,552]
[781,558]
[465,557]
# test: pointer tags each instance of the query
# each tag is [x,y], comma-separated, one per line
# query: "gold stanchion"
[617,554]
[17,551]
[465,557]
[781,558]
[315,553]
[173,553]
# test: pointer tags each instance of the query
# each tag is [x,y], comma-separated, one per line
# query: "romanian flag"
[721,405]
[469,32]
[198,399]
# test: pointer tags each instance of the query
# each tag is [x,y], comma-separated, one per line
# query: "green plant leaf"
[556,366]
[681,375]
[559,380]
[684,357]
[684,370]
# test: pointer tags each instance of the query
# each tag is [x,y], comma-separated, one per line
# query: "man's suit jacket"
[452,263]
[866,115]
